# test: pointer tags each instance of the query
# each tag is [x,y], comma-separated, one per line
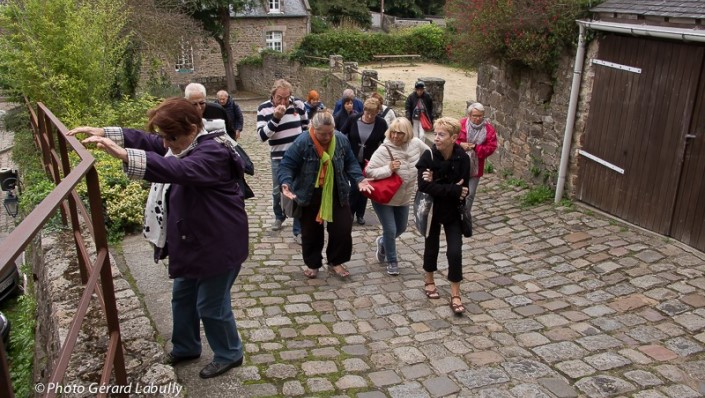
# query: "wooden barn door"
[631,161]
[689,214]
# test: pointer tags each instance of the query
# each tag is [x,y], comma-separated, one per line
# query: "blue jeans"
[472,190]
[277,197]
[208,300]
[394,220]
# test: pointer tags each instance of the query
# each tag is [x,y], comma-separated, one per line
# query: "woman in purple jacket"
[196,211]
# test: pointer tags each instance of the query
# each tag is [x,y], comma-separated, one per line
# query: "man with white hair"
[211,112]
[357,104]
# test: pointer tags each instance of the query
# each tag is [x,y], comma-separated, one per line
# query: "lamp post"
[8,183]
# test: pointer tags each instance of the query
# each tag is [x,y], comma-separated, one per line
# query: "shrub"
[21,312]
[64,53]
[530,33]
[429,40]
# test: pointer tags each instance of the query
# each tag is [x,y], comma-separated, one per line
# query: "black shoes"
[214,368]
[361,220]
[172,359]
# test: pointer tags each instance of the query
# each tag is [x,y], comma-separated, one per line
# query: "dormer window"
[275,6]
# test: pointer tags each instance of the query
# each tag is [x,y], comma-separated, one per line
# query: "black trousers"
[358,201]
[339,247]
[454,254]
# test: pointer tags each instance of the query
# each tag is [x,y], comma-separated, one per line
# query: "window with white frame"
[275,6]
[184,62]
[274,41]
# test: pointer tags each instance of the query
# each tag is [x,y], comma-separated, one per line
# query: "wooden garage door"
[643,101]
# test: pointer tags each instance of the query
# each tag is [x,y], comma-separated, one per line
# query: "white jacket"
[408,154]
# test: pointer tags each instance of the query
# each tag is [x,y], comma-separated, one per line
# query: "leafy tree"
[214,15]
[409,8]
[338,12]
[532,33]
[65,53]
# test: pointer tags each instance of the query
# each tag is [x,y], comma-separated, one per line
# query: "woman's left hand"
[365,186]
[108,145]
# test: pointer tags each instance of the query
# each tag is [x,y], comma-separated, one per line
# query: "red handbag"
[385,188]
[425,122]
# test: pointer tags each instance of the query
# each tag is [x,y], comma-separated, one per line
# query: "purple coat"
[207,230]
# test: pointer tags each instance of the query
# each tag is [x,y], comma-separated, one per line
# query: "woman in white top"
[385,112]
[406,150]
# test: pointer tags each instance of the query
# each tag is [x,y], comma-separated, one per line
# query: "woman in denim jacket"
[314,173]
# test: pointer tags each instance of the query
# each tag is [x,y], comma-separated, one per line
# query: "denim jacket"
[299,168]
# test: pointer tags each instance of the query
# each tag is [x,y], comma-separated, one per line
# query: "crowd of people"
[195,214]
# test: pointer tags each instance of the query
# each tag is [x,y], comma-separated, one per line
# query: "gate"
[642,156]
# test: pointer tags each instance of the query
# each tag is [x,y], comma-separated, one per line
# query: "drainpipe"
[570,119]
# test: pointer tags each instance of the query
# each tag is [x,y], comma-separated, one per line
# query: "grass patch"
[489,168]
[516,182]
[537,196]
[21,312]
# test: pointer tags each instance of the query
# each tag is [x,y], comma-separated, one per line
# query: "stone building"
[273,24]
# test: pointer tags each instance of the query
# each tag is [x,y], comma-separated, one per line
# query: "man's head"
[348,93]
[196,94]
[281,92]
[420,87]
[223,97]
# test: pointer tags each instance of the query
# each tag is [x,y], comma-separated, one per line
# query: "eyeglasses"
[199,103]
[477,116]
[397,133]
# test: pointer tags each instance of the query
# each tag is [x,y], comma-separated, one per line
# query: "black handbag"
[465,210]
[249,166]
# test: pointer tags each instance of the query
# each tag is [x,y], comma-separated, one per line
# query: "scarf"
[477,133]
[324,178]
[155,211]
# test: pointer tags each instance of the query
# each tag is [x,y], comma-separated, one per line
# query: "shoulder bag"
[423,211]
[385,188]
[465,210]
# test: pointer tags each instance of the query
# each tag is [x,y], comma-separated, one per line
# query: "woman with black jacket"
[366,133]
[444,173]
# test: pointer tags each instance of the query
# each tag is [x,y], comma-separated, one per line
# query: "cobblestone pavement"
[562,302]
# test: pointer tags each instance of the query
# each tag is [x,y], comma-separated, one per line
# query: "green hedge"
[430,41]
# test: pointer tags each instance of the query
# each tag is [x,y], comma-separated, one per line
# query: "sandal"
[433,293]
[457,308]
[311,273]
[338,270]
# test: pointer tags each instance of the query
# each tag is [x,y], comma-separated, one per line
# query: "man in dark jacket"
[417,103]
[233,110]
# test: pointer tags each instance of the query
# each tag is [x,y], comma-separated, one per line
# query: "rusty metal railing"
[96,275]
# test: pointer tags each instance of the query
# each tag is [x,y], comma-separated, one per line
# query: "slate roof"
[289,8]
[655,8]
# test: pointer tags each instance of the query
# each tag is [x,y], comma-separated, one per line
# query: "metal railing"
[96,275]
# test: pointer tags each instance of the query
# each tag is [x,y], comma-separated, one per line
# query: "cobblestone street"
[562,302]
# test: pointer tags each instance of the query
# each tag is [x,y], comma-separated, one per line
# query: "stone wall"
[248,37]
[330,82]
[58,291]
[529,111]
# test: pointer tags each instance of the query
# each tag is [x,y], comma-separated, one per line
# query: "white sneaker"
[297,239]
[277,225]
[381,255]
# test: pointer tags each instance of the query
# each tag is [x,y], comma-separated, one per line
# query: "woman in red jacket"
[478,135]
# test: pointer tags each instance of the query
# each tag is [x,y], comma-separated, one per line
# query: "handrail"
[96,275]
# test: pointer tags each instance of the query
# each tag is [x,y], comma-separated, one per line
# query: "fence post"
[350,69]
[369,82]
[336,63]
[393,92]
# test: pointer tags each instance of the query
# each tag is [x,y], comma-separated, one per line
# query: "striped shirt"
[281,133]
